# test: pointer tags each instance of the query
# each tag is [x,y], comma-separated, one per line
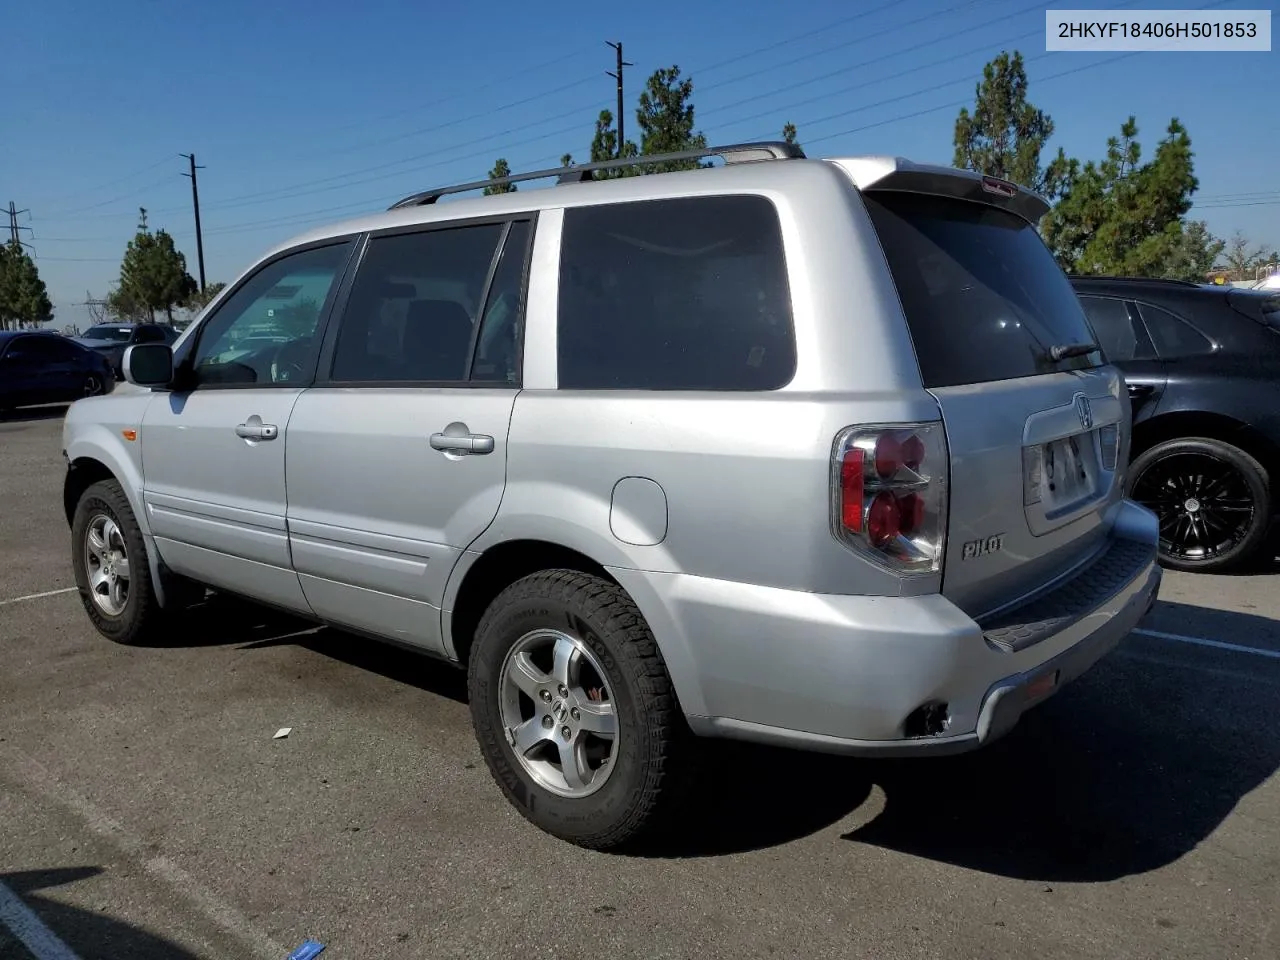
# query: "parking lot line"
[221,913]
[31,932]
[38,596]
[1216,644]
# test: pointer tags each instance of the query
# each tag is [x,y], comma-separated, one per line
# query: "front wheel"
[1213,501]
[111,570]
[575,712]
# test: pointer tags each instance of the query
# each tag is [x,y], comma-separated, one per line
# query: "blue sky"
[307,112]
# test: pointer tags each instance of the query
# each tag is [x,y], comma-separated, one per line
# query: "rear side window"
[983,297]
[681,294]
[1113,325]
[1173,337]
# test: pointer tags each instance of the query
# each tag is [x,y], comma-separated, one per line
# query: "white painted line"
[38,596]
[1216,644]
[30,930]
[58,792]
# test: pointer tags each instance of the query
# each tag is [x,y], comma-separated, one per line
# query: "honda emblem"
[1084,412]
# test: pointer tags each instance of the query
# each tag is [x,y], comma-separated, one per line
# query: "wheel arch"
[1183,425]
[481,575]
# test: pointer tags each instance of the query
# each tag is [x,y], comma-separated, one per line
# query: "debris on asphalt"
[280,735]
[309,949]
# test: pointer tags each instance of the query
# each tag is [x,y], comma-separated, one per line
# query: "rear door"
[1126,343]
[397,457]
[1030,410]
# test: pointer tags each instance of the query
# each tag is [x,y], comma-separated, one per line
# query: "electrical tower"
[14,236]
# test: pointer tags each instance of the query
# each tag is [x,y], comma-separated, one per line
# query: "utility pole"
[13,223]
[195,202]
[618,76]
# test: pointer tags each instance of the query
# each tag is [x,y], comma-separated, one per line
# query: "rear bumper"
[843,674]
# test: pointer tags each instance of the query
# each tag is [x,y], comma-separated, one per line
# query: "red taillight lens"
[888,455]
[896,516]
[882,519]
[851,490]
[910,513]
[913,452]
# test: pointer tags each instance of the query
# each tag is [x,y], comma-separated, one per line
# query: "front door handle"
[457,439]
[257,430]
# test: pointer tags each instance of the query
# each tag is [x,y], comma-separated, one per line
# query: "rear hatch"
[1033,417]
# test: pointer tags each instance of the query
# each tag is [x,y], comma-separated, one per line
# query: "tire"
[139,619]
[1213,500]
[649,770]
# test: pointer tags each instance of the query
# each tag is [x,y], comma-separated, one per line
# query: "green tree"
[1242,259]
[1123,216]
[24,300]
[500,169]
[566,160]
[665,116]
[789,132]
[125,307]
[604,146]
[1195,255]
[153,274]
[1005,135]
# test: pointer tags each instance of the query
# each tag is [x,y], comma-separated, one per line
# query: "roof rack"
[1104,278]
[731,153]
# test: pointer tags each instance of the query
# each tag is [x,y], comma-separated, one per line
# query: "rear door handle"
[257,431]
[462,442]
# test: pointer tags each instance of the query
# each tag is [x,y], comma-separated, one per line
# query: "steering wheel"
[290,362]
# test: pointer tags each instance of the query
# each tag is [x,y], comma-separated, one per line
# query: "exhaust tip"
[927,720]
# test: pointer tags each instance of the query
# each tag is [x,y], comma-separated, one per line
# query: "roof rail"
[731,153]
[1105,278]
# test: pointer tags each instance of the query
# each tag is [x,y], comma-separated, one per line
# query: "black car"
[38,367]
[111,339]
[1203,369]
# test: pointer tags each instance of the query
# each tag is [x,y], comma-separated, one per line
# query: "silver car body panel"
[710,509]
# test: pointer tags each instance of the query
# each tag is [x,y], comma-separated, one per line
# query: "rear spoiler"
[895,173]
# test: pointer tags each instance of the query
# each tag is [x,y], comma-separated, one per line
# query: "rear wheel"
[111,569]
[575,712]
[1213,501]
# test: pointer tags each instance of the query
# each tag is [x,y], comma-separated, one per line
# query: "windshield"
[118,334]
[983,296]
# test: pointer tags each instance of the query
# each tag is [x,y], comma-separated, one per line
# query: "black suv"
[111,339]
[1203,368]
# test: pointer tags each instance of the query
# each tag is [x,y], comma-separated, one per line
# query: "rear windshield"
[119,334]
[984,298]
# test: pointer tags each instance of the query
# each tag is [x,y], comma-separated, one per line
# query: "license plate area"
[1062,475]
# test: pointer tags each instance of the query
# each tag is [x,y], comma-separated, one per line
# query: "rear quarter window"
[983,297]
[680,294]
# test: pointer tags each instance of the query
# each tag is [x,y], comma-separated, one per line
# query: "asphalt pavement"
[147,812]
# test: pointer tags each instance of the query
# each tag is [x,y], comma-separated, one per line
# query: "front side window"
[680,294]
[415,303]
[266,332]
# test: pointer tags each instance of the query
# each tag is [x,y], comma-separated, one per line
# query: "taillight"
[889,493]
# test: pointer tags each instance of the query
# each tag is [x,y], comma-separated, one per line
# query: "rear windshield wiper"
[1063,351]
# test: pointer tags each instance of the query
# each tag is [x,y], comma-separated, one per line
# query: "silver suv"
[817,453]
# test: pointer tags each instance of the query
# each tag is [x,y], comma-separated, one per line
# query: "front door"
[213,451]
[397,462]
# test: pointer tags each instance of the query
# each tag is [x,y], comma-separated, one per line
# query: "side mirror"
[148,364]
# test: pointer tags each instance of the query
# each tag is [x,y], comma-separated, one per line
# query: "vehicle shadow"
[1122,773]
[227,621]
[34,414]
[87,933]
